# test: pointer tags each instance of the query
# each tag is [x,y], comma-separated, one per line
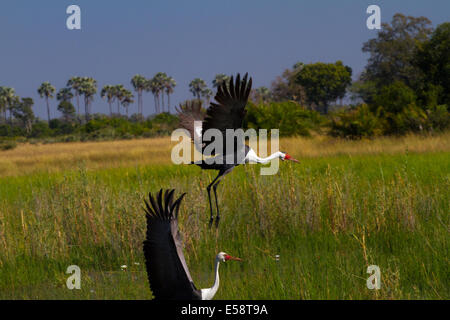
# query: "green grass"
[328,219]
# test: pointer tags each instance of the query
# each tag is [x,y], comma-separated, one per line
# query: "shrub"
[289,117]
[7,145]
[163,123]
[355,123]
[438,118]
[394,98]
[7,130]
[411,118]
[40,129]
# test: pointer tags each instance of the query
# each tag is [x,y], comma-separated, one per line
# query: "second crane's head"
[285,156]
[224,257]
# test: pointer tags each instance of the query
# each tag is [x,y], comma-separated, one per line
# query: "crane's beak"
[228,257]
[288,157]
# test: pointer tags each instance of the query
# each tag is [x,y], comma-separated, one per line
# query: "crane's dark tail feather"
[162,206]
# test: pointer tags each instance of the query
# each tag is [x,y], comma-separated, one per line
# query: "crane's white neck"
[208,294]
[253,157]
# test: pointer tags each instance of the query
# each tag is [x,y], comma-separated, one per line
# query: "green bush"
[355,123]
[108,128]
[7,145]
[394,98]
[289,117]
[40,129]
[11,131]
[399,111]
[410,119]
[438,118]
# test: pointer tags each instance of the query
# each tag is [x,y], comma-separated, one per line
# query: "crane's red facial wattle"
[228,257]
[288,157]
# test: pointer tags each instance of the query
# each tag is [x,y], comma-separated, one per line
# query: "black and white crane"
[228,113]
[167,271]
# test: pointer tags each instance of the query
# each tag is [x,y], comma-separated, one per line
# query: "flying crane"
[227,113]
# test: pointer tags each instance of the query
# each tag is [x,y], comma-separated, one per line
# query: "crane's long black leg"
[217,204]
[211,219]
[221,175]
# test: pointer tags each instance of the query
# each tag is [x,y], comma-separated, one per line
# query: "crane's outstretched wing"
[166,267]
[191,116]
[229,111]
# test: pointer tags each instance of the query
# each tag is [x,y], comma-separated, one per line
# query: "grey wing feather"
[191,115]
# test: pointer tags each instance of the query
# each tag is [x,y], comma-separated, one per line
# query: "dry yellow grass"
[322,146]
[28,158]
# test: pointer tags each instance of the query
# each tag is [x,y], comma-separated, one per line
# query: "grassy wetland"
[347,205]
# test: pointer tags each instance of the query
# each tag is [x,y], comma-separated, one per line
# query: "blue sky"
[185,39]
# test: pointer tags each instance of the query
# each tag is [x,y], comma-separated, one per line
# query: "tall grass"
[327,218]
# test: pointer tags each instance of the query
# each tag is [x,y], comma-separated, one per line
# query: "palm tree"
[169,85]
[139,84]
[7,99]
[160,79]
[197,86]
[46,90]
[64,94]
[75,84]
[127,99]
[109,92]
[149,88]
[119,92]
[219,79]
[2,104]
[207,94]
[154,86]
[88,88]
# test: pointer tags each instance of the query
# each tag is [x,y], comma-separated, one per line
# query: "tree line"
[117,96]
[404,87]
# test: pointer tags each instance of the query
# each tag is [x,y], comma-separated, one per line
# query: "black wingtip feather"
[249,88]
[160,203]
[244,85]
[229,109]
[168,199]
[176,205]
[157,208]
[237,87]
[231,89]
